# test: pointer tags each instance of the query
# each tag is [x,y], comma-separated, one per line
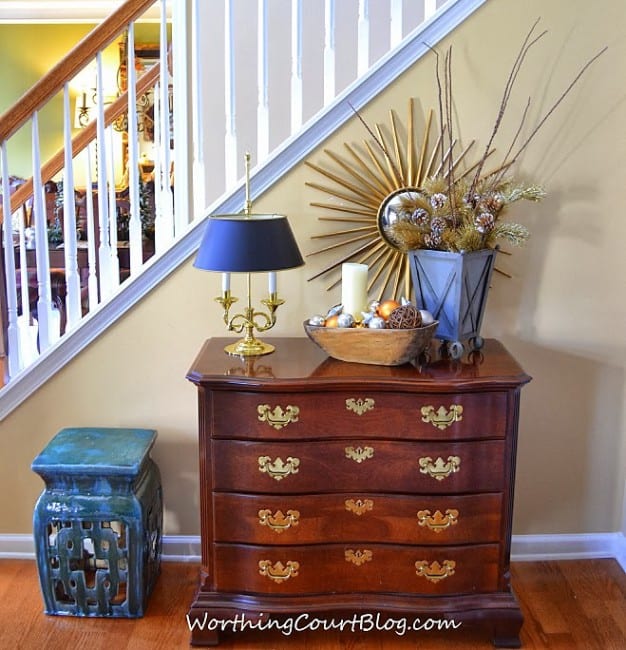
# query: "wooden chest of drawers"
[338,488]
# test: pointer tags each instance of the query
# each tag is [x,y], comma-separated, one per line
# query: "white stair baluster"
[47,321]
[182,90]
[395,34]
[296,65]
[134,223]
[230,141]
[72,278]
[430,7]
[15,363]
[115,262]
[28,328]
[329,52]
[160,237]
[92,281]
[163,125]
[263,124]
[363,38]
[104,249]
[197,113]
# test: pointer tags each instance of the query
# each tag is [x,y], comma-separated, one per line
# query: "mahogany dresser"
[332,489]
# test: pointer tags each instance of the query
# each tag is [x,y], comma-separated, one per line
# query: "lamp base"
[249,348]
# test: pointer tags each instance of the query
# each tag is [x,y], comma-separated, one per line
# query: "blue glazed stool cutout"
[97,524]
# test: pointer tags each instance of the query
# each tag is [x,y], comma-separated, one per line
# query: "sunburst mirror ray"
[382,168]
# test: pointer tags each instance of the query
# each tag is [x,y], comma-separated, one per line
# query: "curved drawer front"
[353,517]
[288,416]
[377,466]
[367,568]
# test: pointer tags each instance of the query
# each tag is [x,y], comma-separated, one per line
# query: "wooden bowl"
[384,347]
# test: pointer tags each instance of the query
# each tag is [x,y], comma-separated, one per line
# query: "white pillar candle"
[354,289]
[272,281]
[225,282]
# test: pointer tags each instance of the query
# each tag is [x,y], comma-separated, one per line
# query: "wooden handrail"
[56,163]
[68,67]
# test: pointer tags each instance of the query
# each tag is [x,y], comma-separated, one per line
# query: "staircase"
[75,292]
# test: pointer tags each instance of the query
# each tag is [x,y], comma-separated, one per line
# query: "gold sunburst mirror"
[380,178]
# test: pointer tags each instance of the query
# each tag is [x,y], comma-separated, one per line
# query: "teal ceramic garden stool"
[97,524]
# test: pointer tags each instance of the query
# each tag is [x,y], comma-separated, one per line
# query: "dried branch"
[442,124]
[557,102]
[526,45]
[381,145]
[448,83]
[498,177]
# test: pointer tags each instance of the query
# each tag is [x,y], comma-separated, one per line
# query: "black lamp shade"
[248,243]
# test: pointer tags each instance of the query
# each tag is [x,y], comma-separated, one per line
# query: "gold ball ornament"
[405,317]
[332,321]
[386,307]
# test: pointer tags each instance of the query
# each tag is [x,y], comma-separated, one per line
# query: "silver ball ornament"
[345,320]
[377,323]
[373,305]
[427,317]
[317,320]
[333,311]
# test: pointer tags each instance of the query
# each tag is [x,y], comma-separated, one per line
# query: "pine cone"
[484,222]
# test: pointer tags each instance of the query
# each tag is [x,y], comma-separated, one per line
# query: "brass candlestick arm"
[247,321]
[226,300]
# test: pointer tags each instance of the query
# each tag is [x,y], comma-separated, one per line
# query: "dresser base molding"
[498,611]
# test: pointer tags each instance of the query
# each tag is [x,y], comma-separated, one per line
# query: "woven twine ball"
[405,317]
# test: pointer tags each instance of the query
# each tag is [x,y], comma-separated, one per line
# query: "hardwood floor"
[567,606]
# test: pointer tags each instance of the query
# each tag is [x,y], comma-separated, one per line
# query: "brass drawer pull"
[434,572]
[278,521]
[442,418]
[359,506]
[279,572]
[438,521]
[360,406]
[439,469]
[359,454]
[277,418]
[358,557]
[279,469]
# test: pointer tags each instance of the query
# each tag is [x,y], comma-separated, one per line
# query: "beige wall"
[27,52]
[563,312]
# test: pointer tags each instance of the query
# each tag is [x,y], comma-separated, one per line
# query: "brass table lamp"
[248,243]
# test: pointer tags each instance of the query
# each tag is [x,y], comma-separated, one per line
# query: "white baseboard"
[176,548]
[524,548]
[17,547]
[583,546]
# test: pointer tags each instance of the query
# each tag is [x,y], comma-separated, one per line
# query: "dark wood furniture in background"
[330,487]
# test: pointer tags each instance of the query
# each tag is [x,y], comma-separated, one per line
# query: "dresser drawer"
[348,465]
[339,568]
[285,416]
[402,519]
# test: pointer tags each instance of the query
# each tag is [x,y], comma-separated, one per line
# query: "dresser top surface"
[298,364]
